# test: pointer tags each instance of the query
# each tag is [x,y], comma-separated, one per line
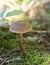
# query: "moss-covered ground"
[38,52]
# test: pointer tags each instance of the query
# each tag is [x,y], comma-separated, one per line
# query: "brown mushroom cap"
[20,27]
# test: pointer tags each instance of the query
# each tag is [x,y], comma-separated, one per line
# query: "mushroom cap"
[20,27]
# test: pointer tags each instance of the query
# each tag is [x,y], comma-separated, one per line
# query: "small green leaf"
[3,12]
[14,59]
[14,12]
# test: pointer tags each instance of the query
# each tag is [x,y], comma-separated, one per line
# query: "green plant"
[3,15]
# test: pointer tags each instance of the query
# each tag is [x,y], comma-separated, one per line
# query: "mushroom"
[20,27]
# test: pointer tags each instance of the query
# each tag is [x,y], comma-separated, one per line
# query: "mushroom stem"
[21,45]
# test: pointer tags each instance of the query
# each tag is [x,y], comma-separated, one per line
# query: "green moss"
[36,53]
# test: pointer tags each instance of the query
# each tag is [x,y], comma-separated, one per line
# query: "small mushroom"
[20,27]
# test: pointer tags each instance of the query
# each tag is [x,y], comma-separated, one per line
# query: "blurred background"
[35,11]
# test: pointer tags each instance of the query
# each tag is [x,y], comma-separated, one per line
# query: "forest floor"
[37,46]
